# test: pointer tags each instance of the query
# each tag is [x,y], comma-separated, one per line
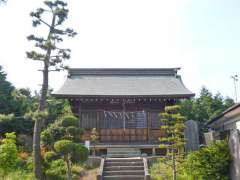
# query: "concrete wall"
[234,144]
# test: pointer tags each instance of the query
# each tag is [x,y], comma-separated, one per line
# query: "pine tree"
[174,140]
[51,55]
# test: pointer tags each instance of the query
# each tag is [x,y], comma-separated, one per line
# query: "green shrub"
[212,162]
[8,153]
[18,175]
[57,170]
[50,156]
[80,153]
[47,138]
[53,133]
[70,120]
[161,170]
[64,147]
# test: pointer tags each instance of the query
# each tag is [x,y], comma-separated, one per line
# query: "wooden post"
[98,121]
[154,151]
[80,114]
[148,125]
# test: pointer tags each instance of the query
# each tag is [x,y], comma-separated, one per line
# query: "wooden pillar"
[80,114]
[148,125]
[98,121]
[154,151]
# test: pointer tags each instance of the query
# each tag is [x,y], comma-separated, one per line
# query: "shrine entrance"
[117,126]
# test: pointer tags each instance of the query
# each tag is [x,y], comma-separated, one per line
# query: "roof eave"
[177,96]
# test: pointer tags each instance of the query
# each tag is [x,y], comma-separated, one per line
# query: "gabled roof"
[157,82]
[224,113]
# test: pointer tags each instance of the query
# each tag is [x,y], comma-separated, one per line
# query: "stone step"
[127,172]
[130,163]
[122,155]
[136,159]
[122,168]
[124,152]
[124,177]
[123,149]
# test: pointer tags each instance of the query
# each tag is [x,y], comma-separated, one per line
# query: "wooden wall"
[91,115]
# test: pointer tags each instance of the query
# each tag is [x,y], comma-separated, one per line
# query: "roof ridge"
[123,71]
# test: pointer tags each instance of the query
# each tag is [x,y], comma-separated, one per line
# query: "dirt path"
[90,175]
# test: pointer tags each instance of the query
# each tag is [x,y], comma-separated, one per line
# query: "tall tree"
[205,107]
[173,141]
[6,89]
[52,55]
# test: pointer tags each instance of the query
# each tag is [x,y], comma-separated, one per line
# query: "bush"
[57,170]
[53,133]
[50,156]
[47,138]
[64,147]
[8,153]
[18,175]
[70,120]
[162,171]
[80,153]
[212,162]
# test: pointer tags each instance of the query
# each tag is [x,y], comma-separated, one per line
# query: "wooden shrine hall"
[123,104]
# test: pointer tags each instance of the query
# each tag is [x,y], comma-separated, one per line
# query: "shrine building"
[123,104]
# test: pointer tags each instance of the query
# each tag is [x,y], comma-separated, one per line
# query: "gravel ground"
[90,175]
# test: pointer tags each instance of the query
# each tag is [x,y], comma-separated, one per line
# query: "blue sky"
[200,36]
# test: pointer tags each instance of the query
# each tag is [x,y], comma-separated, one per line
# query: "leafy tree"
[80,153]
[212,162]
[65,128]
[174,140]
[71,151]
[6,89]
[56,170]
[10,123]
[205,107]
[8,153]
[52,56]
[65,148]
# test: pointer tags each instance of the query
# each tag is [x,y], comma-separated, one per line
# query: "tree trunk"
[37,164]
[38,126]
[69,170]
[174,165]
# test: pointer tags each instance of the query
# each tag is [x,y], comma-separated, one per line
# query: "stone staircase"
[124,164]
[123,152]
[123,169]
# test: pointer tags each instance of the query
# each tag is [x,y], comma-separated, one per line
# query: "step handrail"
[146,174]
[100,172]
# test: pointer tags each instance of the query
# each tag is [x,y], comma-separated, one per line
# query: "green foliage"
[10,123]
[47,138]
[212,162]
[50,156]
[17,175]
[64,147]
[69,120]
[6,88]
[94,136]
[80,153]
[207,106]
[8,153]
[56,170]
[48,50]
[160,170]
[173,140]
[57,131]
